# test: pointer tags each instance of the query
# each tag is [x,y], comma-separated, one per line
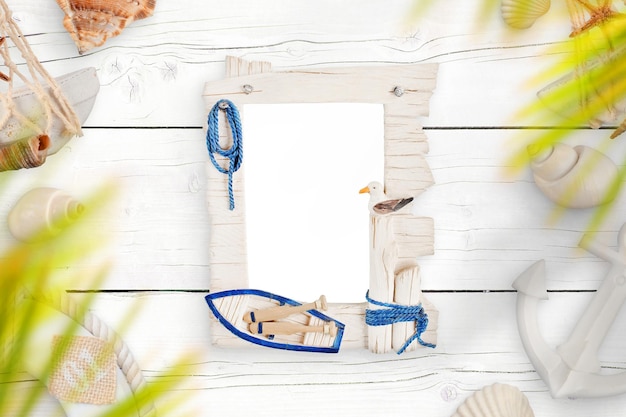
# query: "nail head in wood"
[398,91]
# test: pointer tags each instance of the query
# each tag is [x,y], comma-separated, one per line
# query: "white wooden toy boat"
[274,321]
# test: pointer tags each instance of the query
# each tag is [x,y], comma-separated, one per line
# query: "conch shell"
[91,22]
[574,177]
[497,400]
[21,146]
[43,212]
[522,14]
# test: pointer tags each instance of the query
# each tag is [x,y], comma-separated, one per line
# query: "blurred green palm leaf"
[584,87]
[31,271]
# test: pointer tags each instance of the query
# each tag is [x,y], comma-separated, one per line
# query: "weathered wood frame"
[404,91]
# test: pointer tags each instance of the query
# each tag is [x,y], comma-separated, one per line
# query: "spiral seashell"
[574,177]
[91,22]
[29,153]
[42,212]
[522,14]
[497,400]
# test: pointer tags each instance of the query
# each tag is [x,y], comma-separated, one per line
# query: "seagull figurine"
[379,202]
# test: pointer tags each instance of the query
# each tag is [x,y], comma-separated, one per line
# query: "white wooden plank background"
[146,134]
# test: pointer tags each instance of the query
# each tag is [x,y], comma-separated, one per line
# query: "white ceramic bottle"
[42,212]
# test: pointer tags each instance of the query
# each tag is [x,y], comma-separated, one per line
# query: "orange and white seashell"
[522,14]
[92,22]
[28,153]
[497,400]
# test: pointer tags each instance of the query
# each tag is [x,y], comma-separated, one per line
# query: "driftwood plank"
[228,231]
[350,84]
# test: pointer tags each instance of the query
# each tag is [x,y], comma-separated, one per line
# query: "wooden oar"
[280,312]
[272,328]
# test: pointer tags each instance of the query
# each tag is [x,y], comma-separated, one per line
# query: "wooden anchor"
[268,328]
[280,312]
[572,370]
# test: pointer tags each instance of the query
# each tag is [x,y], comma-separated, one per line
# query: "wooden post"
[408,293]
[383,257]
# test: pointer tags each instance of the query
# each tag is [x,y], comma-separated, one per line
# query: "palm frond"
[30,277]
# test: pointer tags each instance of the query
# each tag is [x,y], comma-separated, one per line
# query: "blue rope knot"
[235,153]
[395,313]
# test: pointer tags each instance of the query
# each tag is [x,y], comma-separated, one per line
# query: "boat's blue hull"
[267,342]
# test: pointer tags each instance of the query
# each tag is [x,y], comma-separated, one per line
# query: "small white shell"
[522,14]
[42,212]
[575,177]
[497,400]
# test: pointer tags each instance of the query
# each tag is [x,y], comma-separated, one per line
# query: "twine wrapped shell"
[22,143]
[590,90]
[522,14]
[91,22]
[497,400]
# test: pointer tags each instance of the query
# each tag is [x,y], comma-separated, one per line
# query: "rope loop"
[396,313]
[235,153]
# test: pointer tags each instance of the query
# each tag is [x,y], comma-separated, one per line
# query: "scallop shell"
[92,22]
[575,177]
[522,14]
[497,400]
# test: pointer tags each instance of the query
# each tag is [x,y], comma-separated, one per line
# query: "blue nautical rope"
[235,153]
[395,313]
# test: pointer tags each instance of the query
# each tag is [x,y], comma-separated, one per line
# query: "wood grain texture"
[146,134]
[168,57]
[383,256]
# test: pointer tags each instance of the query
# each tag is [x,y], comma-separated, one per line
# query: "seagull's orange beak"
[364,190]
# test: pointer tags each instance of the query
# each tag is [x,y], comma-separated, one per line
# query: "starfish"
[597,15]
